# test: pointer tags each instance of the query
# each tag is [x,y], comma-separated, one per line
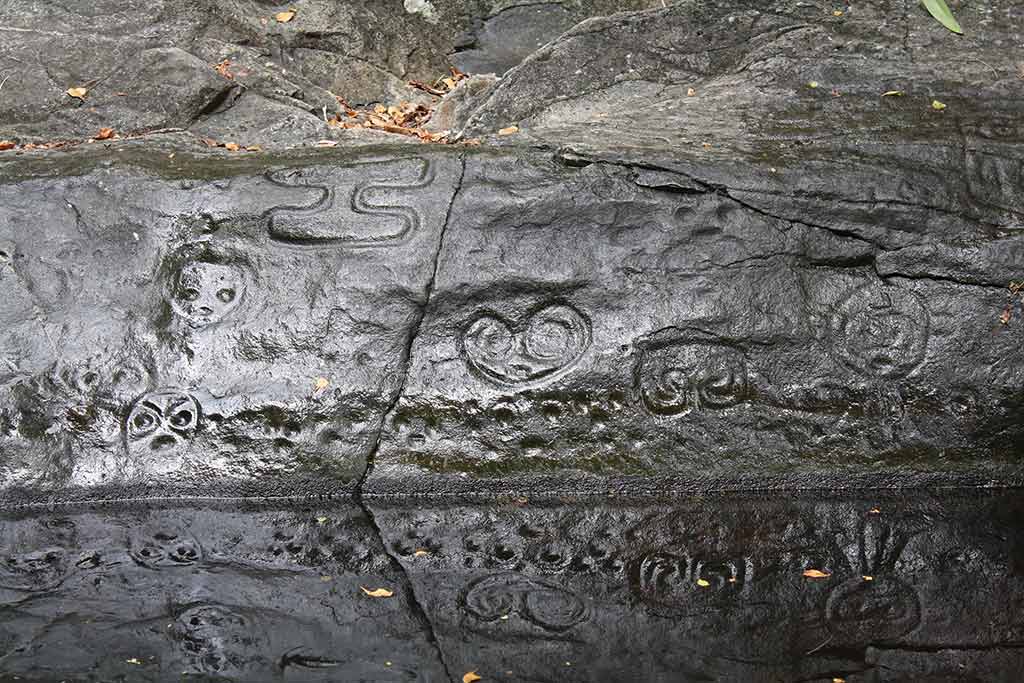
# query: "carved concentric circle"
[880,331]
[679,377]
[540,346]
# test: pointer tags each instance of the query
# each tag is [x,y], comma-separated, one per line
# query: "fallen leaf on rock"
[223,68]
[703,583]
[470,677]
[285,17]
[893,93]
[509,131]
[875,511]
[868,578]
[210,142]
[938,106]
[79,93]
[690,92]
[253,148]
[377,592]
[231,146]
[837,13]
[1004,317]
[134,660]
[812,84]
[420,552]
[7,144]
[816,574]
[320,384]
[321,520]
[105,134]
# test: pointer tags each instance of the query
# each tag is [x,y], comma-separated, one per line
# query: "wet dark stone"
[486,321]
[690,251]
[227,334]
[912,588]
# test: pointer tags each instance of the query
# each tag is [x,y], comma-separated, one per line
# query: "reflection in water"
[904,588]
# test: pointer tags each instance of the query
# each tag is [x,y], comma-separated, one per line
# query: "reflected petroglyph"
[521,602]
[544,344]
[164,548]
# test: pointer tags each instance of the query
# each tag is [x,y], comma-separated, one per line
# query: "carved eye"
[143,422]
[182,419]
[189,294]
[226,295]
[719,383]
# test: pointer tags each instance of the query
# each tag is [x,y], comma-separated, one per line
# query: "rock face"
[152,64]
[726,248]
[229,334]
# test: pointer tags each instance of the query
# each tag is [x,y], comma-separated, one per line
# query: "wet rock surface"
[687,249]
[223,335]
[909,588]
[433,319]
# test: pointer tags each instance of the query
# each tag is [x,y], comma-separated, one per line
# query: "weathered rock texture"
[151,64]
[715,254]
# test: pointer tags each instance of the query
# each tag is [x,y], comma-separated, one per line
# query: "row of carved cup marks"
[876,331]
[40,555]
[104,405]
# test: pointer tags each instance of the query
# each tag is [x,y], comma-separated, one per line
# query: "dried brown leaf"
[816,574]
[223,68]
[378,592]
[78,93]
[105,134]
[7,144]
[471,677]
[511,130]
[284,17]
[232,146]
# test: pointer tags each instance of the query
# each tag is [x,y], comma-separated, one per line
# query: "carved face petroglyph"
[161,420]
[880,331]
[680,377]
[204,293]
[542,345]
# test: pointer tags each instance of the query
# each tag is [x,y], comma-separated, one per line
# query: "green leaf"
[940,10]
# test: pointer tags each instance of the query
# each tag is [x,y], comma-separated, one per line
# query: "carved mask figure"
[204,293]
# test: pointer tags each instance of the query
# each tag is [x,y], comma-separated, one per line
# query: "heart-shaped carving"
[543,344]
